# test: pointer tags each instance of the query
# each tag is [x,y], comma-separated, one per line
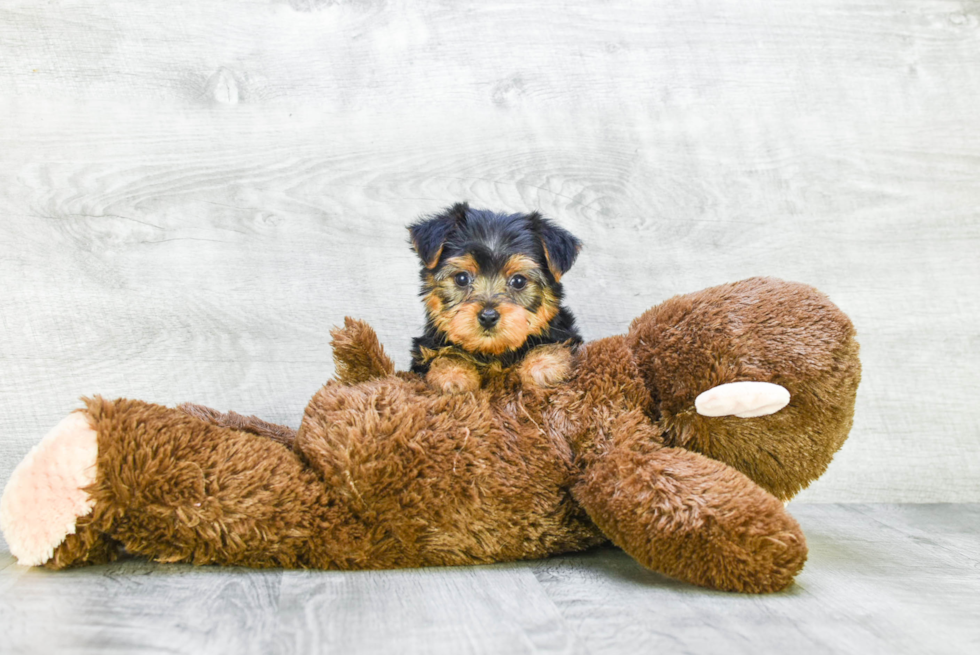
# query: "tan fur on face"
[454,311]
[546,366]
[510,332]
[519,264]
[463,263]
[539,320]
[450,375]
[433,303]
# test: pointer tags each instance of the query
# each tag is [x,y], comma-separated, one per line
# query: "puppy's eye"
[517,282]
[462,279]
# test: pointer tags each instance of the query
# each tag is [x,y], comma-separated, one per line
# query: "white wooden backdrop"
[192,193]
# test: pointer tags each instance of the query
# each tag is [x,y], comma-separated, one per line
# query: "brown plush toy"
[671,441]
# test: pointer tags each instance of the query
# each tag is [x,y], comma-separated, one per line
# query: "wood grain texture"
[890,579]
[460,610]
[898,579]
[193,193]
[139,607]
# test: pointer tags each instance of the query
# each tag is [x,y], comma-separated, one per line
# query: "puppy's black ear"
[429,235]
[560,246]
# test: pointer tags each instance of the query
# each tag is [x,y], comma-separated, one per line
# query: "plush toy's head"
[759,330]
[490,281]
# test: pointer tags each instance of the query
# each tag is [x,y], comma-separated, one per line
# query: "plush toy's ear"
[429,235]
[560,246]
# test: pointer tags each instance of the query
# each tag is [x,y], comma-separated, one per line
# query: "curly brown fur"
[253,424]
[675,511]
[357,354]
[384,477]
[173,487]
[693,518]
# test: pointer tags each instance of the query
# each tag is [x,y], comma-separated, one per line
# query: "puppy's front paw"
[451,376]
[546,366]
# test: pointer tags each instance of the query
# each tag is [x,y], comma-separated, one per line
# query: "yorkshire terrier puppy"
[493,298]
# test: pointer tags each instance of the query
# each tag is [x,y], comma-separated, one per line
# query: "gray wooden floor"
[880,579]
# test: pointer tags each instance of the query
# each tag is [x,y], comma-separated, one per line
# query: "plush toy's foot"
[45,495]
[742,399]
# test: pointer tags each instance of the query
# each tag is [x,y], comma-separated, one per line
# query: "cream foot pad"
[44,498]
[742,399]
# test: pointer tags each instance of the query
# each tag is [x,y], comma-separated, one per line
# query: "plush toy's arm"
[691,517]
[357,354]
[281,433]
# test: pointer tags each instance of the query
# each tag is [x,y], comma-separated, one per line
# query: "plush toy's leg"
[692,518]
[175,488]
[157,482]
[45,496]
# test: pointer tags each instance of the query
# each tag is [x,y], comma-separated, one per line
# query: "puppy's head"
[491,280]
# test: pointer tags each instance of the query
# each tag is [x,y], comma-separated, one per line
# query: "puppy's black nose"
[488,317]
